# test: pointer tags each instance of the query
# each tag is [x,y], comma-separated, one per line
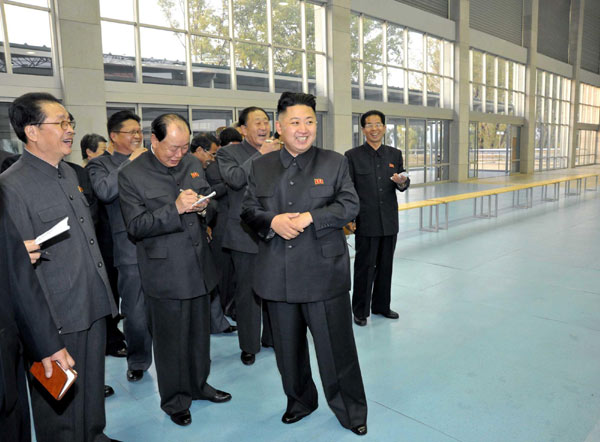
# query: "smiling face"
[174,146]
[297,127]
[128,138]
[257,128]
[374,130]
[50,141]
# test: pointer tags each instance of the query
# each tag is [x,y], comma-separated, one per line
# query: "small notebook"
[60,381]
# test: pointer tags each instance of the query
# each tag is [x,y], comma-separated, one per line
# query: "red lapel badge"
[391,165]
[80,189]
[195,174]
[319,181]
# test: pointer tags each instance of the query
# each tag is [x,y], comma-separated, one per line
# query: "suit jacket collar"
[369,149]
[118,157]
[161,167]
[248,148]
[43,166]
[301,160]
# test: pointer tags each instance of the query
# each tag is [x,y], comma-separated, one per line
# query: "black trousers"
[218,321]
[330,323]
[79,415]
[372,274]
[181,341]
[15,425]
[248,305]
[135,326]
[115,338]
[225,265]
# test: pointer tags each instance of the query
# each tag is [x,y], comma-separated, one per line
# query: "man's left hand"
[398,179]
[303,220]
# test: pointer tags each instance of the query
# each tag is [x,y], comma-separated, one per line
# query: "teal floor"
[498,340]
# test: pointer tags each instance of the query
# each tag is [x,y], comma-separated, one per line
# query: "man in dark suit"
[126,135]
[159,194]
[40,189]
[377,171]
[24,320]
[234,164]
[298,200]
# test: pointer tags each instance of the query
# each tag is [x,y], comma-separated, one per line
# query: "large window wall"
[27,27]
[396,64]
[586,151]
[494,149]
[589,104]
[497,84]
[552,114]
[255,45]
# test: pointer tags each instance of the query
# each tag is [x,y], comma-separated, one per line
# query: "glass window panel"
[501,101]
[118,49]
[355,67]
[448,68]
[163,57]
[565,113]
[416,143]
[521,84]
[119,9]
[150,113]
[43,3]
[477,92]
[477,67]
[209,16]
[556,90]
[490,99]
[512,75]
[170,14]
[395,85]
[209,120]
[502,66]
[539,82]
[490,70]
[286,23]
[415,50]
[510,104]
[356,132]
[252,67]
[287,65]
[8,139]
[30,40]
[566,91]
[433,90]
[373,82]
[250,20]
[395,45]
[354,36]
[539,108]
[548,85]
[372,40]
[315,27]
[434,55]
[448,93]
[415,88]
[210,62]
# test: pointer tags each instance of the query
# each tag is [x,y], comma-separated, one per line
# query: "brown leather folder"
[60,381]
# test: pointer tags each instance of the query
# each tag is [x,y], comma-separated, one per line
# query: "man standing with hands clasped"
[297,201]
[377,172]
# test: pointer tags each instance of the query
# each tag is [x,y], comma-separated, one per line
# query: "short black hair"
[116,120]
[203,140]
[244,114]
[363,117]
[27,110]
[160,124]
[229,135]
[289,99]
[90,141]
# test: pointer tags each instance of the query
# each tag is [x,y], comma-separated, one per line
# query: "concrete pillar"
[81,66]
[575,39]
[339,117]
[459,128]
[530,38]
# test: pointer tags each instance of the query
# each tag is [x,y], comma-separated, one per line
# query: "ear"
[244,130]
[110,138]
[278,127]
[32,132]
[153,140]
[89,153]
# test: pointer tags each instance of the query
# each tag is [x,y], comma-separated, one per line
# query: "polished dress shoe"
[360,321]
[390,314]
[247,358]
[117,352]
[361,430]
[291,418]
[108,391]
[182,418]
[230,329]
[135,375]
[220,397]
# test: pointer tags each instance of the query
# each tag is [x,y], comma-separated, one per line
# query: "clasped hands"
[290,225]
[186,202]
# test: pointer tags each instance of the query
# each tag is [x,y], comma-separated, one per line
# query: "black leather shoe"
[230,329]
[360,321]
[266,345]
[115,440]
[390,314]
[247,358]
[117,352]
[291,418]
[135,375]
[361,430]
[220,397]
[182,418]
[108,391]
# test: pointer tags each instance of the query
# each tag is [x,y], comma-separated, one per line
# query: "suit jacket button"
[290,203]
[196,244]
[92,241]
[71,197]
[100,265]
[290,246]
[81,219]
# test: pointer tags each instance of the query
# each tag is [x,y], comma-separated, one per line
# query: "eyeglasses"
[131,133]
[373,125]
[64,124]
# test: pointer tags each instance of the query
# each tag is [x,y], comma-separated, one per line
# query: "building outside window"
[224,44]
[392,63]
[552,115]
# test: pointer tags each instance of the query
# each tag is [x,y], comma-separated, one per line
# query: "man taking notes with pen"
[161,199]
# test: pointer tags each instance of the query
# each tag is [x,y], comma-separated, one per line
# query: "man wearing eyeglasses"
[40,189]
[125,133]
[377,171]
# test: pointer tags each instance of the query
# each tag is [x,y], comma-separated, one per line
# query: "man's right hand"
[136,153]
[285,226]
[186,200]
[62,356]
[270,145]
[33,249]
